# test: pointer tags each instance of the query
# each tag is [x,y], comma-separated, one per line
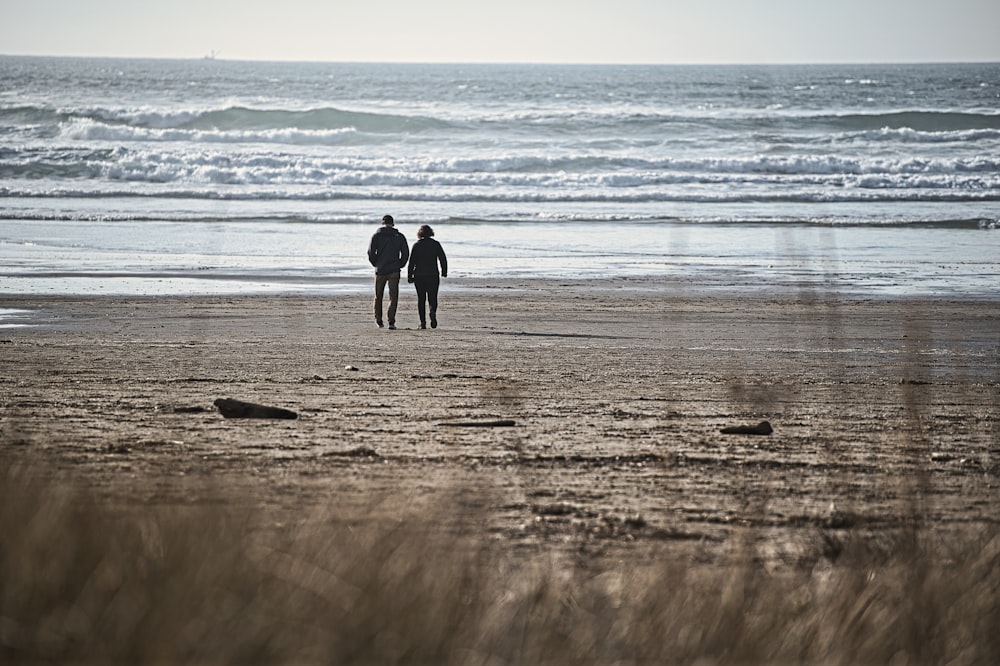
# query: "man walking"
[388,253]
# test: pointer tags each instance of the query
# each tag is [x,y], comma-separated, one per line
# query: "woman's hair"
[425,231]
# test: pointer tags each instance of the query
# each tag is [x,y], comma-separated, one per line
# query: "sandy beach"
[542,479]
[884,411]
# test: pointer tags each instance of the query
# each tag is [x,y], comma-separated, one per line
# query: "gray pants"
[392,279]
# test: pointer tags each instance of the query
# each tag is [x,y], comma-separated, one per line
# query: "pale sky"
[540,31]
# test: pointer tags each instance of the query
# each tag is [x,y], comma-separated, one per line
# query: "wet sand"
[885,412]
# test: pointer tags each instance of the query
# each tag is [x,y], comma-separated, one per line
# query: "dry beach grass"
[613,523]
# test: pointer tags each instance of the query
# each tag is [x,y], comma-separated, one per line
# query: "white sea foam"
[525,169]
[90,130]
[908,135]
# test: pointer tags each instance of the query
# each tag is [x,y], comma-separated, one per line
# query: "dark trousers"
[427,294]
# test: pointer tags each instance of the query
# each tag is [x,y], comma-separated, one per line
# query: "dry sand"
[885,412]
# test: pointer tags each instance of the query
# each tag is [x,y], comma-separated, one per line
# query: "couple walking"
[388,252]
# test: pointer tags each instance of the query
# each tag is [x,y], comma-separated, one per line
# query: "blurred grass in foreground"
[82,582]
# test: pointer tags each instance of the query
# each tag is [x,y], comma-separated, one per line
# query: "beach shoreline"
[617,396]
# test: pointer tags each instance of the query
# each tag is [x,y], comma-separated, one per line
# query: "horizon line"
[216,58]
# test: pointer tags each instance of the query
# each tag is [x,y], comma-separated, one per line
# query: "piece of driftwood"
[237,409]
[358,452]
[503,423]
[762,428]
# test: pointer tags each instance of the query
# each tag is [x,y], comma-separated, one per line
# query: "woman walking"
[423,272]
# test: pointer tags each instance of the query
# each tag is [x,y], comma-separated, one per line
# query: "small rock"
[351,368]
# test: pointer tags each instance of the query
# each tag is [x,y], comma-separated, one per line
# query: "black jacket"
[424,259]
[388,251]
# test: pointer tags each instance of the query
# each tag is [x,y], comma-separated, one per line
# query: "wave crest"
[921,121]
[228,119]
[91,130]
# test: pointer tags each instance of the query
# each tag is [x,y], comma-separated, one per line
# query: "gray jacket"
[388,251]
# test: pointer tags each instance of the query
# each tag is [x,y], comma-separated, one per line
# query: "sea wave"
[226,119]
[529,169]
[921,121]
[238,119]
[747,120]
[707,193]
[26,114]
[91,130]
[909,135]
[273,220]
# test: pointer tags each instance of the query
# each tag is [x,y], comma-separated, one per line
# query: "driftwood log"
[237,409]
[504,423]
[762,428]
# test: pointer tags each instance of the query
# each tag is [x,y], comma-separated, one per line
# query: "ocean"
[124,176]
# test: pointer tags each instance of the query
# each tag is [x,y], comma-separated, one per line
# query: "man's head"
[387,221]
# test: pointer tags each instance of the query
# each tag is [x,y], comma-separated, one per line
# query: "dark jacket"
[388,251]
[424,259]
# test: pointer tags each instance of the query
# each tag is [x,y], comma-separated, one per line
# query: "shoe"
[392,327]
[423,325]
[434,322]
[379,324]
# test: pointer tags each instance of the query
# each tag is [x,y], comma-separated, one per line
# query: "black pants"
[427,294]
